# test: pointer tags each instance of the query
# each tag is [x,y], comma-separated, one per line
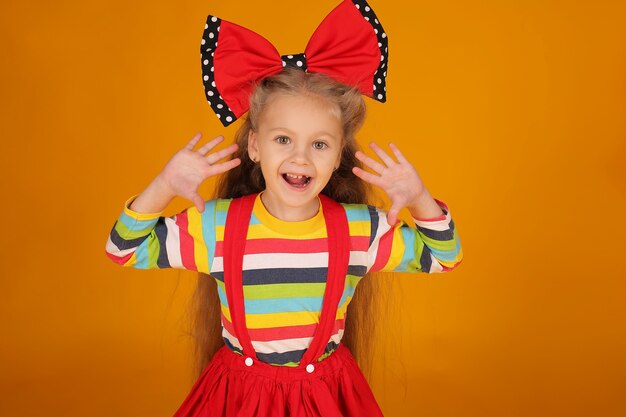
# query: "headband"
[349,46]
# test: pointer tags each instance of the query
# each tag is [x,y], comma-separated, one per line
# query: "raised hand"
[183,175]
[187,169]
[399,180]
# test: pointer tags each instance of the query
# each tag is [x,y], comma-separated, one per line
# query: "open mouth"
[298,181]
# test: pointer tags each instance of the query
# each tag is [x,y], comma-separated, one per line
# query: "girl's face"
[298,144]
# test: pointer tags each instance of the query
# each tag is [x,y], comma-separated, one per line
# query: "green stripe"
[153,252]
[444,245]
[268,291]
[128,234]
[222,205]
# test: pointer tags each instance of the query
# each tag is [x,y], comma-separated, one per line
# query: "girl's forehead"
[301,114]
[281,105]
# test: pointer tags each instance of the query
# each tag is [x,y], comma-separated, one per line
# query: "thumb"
[392,215]
[198,201]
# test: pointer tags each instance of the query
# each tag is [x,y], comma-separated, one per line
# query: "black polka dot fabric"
[207,49]
[380,88]
[295,60]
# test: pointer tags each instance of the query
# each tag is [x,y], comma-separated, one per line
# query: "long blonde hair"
[343,187]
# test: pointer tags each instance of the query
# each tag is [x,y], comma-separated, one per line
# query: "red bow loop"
[345,47]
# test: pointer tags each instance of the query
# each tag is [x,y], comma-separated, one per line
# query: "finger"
[223,167]
[192,143]
[198,201]
[216,156]
[382,154]
[367,176]
[369,162]
[210,145]
[399,156]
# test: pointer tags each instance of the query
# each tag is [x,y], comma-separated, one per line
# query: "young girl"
[290,235]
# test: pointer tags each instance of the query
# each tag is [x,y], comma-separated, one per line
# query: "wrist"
[424,206]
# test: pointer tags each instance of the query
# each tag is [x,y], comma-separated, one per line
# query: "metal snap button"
[249,361]
[310,368]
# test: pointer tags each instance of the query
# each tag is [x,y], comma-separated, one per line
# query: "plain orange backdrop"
[512,112]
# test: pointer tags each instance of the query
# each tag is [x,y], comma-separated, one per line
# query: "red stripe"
[120,259]
[282,333]
[384,251]
[186,242]
[277,245]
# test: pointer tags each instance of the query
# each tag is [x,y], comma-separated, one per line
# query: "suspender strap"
[235,235]
[338,258]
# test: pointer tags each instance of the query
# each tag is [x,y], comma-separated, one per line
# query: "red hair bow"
[349,45]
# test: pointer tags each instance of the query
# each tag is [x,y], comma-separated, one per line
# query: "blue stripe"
[408,236]
[134,224]
[222,296]
[449,255]
[357,212]
[347,292]
[254,220]
[220,217]
[283,305]
[208,229]
[141,255]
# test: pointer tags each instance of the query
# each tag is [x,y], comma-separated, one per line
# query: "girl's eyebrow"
[284,129]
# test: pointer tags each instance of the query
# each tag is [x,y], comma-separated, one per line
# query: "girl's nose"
[300,155]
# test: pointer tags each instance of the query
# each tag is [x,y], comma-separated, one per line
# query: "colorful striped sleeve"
[432,246]
[149,240]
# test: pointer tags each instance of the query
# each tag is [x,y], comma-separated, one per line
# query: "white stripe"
[282,346]
[114,250]
[383,227]
[276,260]
[232,339]
[172,243]
[285,260]
[440,225]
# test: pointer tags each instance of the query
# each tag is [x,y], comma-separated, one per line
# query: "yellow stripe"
[397,250]
[300,318]
[132,260]
[226,312]
[260,231]
[139,216]
[200,253]
[341,311]
[359,228]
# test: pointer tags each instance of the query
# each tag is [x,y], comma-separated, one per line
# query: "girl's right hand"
[187,169]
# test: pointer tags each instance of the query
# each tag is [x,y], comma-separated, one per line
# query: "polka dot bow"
[349,45]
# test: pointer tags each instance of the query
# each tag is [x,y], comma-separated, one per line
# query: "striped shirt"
[285,264]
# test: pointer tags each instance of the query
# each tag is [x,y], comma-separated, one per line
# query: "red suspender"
[338,258]
[235,235]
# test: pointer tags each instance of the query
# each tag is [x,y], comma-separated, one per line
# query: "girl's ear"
[253,150]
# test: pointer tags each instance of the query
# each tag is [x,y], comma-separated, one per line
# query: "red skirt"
[230,388]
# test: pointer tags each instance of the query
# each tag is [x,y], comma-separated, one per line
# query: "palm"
[398,179]
[188,169]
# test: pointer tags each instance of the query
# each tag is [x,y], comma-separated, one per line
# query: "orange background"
[512,112]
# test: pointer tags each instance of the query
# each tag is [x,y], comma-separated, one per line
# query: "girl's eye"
[283,140]
[320,145]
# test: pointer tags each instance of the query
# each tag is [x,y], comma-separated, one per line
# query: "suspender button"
[310,368]
[249,361]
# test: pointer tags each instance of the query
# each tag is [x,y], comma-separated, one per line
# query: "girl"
[288,238]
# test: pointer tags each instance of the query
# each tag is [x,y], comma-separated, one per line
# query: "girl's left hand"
[399,179]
